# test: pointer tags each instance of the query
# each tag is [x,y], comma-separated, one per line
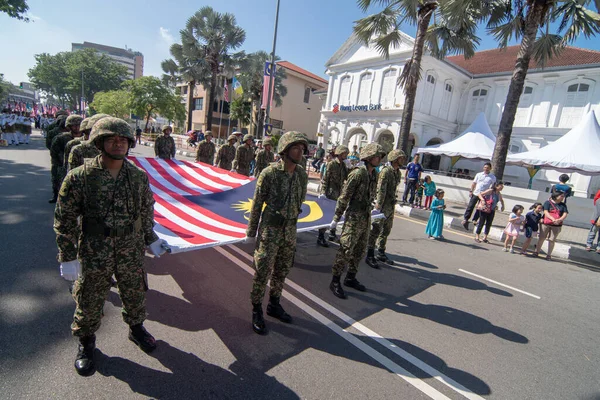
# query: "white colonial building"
[364,103]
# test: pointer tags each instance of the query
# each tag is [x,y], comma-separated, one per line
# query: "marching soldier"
[85,149]
[355,205]
[244,156]
[114,201]
[281,188]
[57,127]
[164,146]
[385,201]
[331,185]
[206,149]
[226,153]
[85,134]
[264,157]
[57,152]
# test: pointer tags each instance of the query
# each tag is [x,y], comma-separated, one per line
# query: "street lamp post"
[272,69]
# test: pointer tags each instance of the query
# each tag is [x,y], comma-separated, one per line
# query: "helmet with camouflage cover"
[247,136]
[208,133]
[83,125]
[61,112]
[341,150]
[395,154]
[95,118]
[290,138]
[73,120]
[60,121]
[110,126]
[267,142]
[165,127]
[371,150]
[232,137]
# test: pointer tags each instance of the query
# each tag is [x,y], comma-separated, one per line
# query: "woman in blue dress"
[435,225]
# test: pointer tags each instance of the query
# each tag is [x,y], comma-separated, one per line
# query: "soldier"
[85,134]
[114,201]
[244,156]
[355,204]
[282,188]
[57,152]
[385,201]
[226,153]
[264,157]
[57,127]
[336,173]
[85,149]
[206,150]
[164,147]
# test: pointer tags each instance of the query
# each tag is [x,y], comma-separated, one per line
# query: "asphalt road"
[452,319]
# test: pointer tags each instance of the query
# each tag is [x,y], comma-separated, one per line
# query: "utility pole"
[81,102]
[272,69]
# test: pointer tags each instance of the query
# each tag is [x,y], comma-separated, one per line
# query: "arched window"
[522,116]
[364,90]
[428,93]
[477,104]
[446,100]
[388,88]
[575,102]
[344,91]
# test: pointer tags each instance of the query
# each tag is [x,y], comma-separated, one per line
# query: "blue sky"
[310,31]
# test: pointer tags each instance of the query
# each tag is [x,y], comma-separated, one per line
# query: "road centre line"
[352,339]
[375,336]
[500,284]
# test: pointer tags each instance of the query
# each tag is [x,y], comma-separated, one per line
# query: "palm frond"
[507,31]
[575,20]
[376,25]
[364,5]
[546,47]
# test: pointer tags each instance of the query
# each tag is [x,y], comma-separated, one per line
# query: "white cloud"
[166,36]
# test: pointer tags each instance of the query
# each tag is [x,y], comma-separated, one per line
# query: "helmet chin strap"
[114,157]
[285,155]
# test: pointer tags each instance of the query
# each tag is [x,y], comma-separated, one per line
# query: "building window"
[344,90]
[184,90]
[477,104]
[522,116]
[515,149]
[575,102]
[446,100]
[364,90]
[199,103]
[307,94]
[428,94]
[389,88]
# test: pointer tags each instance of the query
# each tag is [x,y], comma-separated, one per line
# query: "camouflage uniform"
[206,152]
[57,152]
[388,181]
[226,155]
[263,159]
[336,173]
[54,129]
[117,223]
[243,157]
[80,153]
[68,149]
[164,147]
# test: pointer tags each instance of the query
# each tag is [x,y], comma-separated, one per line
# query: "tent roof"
[476,142]
[577,151]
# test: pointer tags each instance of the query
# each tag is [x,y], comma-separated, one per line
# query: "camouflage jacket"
[387,183]
[123,207]
[69,148]
[53,132]
[336,173]
[283,195]
[164,147]
[80,153]
[206,152]
[225,157]
[243,157]
[358,193]
[263,159]
[57,149]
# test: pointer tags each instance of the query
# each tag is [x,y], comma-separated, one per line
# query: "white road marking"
[359,344]
[375,336]
[500,284]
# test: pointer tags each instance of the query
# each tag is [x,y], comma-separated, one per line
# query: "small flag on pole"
[268,72]
[237,87]
[226,92]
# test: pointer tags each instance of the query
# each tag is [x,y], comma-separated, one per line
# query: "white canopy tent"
[577,151]
[476,142]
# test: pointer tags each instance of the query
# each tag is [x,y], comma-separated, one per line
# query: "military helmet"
[73,120]
[247,136]
[341,150]
[110,126]
[83,125]
[95,118]
[290,138]
[232,137]
[208,133]
[371,150]
[60,121]
[267,142]
[395,154]
[165,127]
[61,112]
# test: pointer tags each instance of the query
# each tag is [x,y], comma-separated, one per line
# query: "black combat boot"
[258,322]
[275,310]
[321,240]
[54,197]
[336,287]
[332,237]
[140,336]
[371,261]
[381,256]
[84,363]
[352,282]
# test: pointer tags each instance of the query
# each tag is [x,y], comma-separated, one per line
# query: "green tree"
[15,9]
[149,96]
[6,88]
[452,32]
[114,102]
[240,109]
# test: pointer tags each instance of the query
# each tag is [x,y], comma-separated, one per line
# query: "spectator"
[435,224]
[533,221]
[482,182]
[488,201]
[563,187]
[595,229]
[429,191]
[323,166]
[318,157]
[412,177]
[596,197]
[555,212]
[138,135]
[354,155]
[513,227]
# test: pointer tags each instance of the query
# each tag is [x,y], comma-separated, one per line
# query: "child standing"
[533,219]
[435,225]
[515,221]
[429,191]
[419,194]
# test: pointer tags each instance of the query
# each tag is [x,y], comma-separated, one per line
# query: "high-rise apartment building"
[133,60]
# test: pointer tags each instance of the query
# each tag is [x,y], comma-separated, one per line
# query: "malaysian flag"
[268,72]
[200,206]
[226,92]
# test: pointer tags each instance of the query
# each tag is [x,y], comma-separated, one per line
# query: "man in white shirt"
[482,182]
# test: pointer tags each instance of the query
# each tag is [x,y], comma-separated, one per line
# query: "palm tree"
[451,33]
[240,110]
[211,35]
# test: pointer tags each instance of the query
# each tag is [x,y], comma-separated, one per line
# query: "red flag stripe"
[173,181]
[207,181]
[217,176]
[188,236]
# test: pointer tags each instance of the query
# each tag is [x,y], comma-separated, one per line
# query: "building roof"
[295,68]
[109,49]
[503,60]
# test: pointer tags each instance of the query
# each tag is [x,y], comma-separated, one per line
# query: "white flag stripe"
[165,183]
[216,174]
[194,213]
[204,179]
[184,181]
[173,239]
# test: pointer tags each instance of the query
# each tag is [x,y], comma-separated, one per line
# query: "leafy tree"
[15,9]
[240,109]
[114,102]
[6,88]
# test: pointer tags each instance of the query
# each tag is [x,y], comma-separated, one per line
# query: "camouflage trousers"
[380,230]
[353,243]
[244,171]
[91,289]
[274,258]
[57,174]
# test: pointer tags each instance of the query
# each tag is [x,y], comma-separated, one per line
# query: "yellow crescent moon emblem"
[314,210]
